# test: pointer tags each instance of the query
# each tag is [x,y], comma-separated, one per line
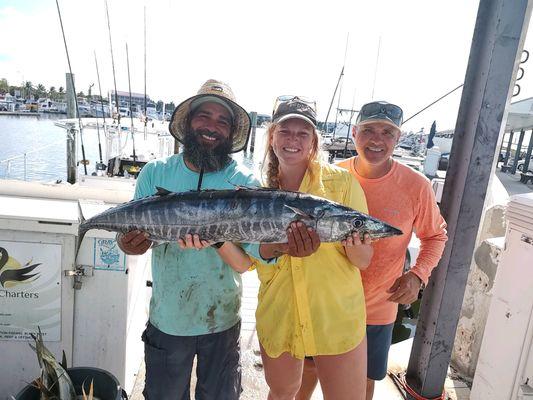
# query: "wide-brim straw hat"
[220,93]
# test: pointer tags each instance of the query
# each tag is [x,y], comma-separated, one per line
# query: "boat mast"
[336,87]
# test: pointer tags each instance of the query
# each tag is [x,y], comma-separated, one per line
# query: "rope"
[401,382]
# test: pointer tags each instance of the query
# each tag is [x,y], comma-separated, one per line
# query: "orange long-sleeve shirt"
[404,199]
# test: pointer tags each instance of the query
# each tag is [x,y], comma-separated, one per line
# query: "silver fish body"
[242,216]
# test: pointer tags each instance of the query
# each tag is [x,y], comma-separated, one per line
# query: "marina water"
[34,148]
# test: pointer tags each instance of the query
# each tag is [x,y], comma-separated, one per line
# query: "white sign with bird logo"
[30,290]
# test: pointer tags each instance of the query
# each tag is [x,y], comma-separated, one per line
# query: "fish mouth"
[387,231]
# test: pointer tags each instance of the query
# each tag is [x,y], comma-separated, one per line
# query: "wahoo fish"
[244,215]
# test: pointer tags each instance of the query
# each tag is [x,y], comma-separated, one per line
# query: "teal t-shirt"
[193,291]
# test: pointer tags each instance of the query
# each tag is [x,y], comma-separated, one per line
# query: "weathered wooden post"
[497,44]
[71,97]
[71,131]
[253,117]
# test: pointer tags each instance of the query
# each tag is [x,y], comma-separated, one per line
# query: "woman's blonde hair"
[270,167]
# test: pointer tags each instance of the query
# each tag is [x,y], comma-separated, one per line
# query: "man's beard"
[201,156]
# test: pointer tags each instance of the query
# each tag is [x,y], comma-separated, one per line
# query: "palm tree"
[52,92]
[4,86]
[28,88]
[61,91]
[40,91]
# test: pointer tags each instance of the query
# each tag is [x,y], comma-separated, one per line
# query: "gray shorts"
[379,338]
[169,361]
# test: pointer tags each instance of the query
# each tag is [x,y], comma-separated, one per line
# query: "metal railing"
[9,162]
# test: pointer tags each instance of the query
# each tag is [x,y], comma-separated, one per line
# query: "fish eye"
[357,223]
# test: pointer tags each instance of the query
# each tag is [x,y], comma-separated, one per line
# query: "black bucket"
[106,386]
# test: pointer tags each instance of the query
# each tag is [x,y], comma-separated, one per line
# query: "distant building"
[124,98]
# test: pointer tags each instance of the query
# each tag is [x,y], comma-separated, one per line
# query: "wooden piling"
[253,117]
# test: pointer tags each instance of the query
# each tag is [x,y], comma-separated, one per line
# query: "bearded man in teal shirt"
[194,309]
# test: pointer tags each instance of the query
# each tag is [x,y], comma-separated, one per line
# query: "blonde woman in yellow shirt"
[311,302]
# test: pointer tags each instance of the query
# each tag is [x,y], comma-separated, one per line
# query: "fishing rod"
[145,112]
[337,86]
[100,89]
[376,69]
[102,165]
[131,113]
[84,161]
[436,101]
[113,64]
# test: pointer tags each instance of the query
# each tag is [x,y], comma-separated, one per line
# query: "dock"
[253,379]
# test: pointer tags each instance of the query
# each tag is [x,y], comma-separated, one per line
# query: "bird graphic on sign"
[12,272]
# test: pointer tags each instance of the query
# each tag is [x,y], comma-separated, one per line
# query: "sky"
[263,49]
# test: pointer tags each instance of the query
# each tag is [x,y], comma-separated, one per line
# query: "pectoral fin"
[299,212]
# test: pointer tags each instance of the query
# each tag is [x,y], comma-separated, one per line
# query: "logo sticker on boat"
[108,256]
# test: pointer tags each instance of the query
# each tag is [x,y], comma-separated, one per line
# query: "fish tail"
[82,230]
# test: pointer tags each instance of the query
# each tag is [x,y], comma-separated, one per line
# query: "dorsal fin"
[162,191]
[241,187]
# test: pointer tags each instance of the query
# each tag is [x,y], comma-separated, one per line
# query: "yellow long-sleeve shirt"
[314,305]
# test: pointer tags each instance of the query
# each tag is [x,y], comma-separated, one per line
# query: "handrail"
[32,151]
[24,157]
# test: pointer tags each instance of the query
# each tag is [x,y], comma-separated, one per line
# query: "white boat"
[47,105]
[443,140]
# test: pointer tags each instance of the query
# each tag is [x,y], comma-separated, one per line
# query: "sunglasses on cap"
[380,110]
[288,106]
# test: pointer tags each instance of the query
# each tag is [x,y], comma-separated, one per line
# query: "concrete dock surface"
[253,381]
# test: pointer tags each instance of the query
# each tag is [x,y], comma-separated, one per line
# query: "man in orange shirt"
[403,198]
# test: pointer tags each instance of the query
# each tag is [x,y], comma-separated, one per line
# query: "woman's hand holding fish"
[193,242]
[134,243]
[358,251]
[303,241]
[355,239]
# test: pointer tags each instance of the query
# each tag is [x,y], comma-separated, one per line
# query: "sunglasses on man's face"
[391,111]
